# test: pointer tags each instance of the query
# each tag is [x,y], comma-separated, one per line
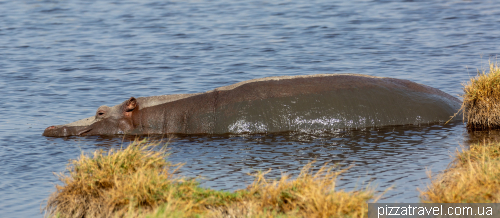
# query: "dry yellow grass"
[114,182]
[138,182]
[481,99]
[473,177]
[309,195]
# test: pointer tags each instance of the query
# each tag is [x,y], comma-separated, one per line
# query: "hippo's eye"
[100,113]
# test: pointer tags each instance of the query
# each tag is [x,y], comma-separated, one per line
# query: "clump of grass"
[481,99]
[117,181]
[137,181]
[309,195]
[473,177]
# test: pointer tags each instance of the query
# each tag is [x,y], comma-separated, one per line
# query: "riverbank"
[473,177]
[481,97]
[138,181]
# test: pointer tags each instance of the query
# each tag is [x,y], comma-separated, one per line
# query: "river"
[60,60]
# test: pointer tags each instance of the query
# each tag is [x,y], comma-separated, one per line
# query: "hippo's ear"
[131,104]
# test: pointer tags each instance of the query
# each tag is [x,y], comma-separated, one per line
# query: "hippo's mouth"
[83,131]
[79,128]
[64,131]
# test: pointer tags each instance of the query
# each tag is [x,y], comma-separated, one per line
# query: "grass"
[309,195]
[137,181]
[113,182]
[481,99]
[473,177]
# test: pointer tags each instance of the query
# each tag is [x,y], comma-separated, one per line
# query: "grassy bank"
[137,181]
[473,177]
[481,99]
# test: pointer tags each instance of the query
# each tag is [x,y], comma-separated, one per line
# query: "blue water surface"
[60,60]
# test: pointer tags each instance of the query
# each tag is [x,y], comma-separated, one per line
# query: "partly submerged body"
[274,104]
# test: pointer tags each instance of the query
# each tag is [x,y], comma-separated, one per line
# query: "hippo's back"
[328,102]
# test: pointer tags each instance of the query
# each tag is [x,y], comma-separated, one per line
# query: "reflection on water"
[390,156]
[483,136]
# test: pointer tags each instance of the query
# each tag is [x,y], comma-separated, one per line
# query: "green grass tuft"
[137,181]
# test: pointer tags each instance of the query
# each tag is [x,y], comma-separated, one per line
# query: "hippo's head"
[107,121]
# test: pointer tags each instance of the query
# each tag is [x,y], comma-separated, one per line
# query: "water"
[60,60]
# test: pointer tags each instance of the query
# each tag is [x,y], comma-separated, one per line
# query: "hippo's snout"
[62,131]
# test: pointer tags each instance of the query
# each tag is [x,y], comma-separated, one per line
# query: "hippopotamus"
[273,104]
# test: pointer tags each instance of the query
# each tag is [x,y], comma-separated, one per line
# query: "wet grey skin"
[274,104]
